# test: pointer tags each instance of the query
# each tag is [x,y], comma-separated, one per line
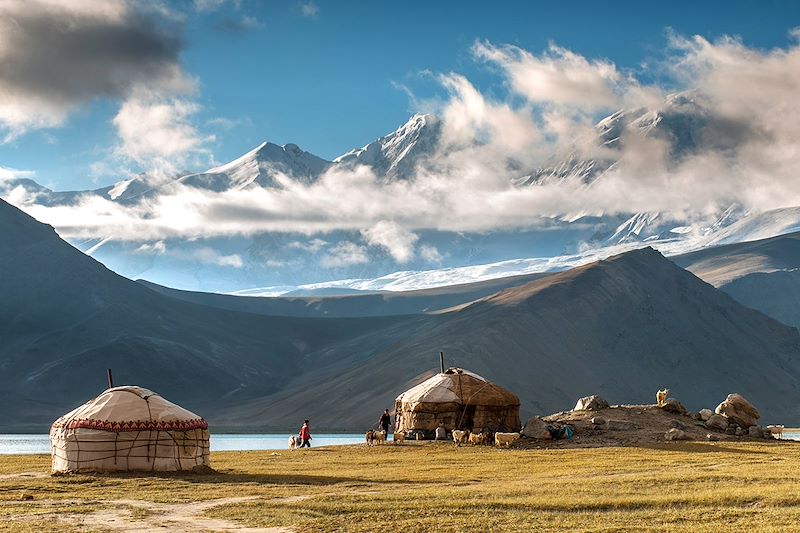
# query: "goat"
[460,436]
[661,397]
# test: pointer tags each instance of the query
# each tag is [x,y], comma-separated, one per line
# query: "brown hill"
[623,328]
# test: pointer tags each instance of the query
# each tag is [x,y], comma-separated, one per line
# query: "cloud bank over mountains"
[741,145]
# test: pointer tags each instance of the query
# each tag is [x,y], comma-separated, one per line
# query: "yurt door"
[467,418]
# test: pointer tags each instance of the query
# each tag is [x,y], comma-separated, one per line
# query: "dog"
[661,397]
[292,442]
[369,436]
[398,438]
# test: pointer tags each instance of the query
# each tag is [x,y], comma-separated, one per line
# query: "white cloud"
[208,5]
[557,76]
[155,248]
[309,9]
[12,174]
[212,257]
[158,132]
[345,254]
[430,253]
[313,246]
[394,238]
[742,149]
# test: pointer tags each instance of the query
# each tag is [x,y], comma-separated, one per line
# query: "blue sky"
[325,75]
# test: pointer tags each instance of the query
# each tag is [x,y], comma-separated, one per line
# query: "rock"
[591,403]
[717,422]
[620,425]
[676,434]
[705,414]
[713,437]
[731,430]
[739,432]
[671,405]
[535,428]
[676,424]
[739,411]
[755,432]
[598,421]
[26,497]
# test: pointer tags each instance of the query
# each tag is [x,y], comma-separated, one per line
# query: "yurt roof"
[456,385]
[131,408]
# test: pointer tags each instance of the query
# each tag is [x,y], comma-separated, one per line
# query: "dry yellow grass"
[671,487]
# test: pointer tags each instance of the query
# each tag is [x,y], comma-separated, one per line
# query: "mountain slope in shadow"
[65,318]
[623,328]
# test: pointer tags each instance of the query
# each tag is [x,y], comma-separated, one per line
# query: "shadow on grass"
[231,477]
[698,447]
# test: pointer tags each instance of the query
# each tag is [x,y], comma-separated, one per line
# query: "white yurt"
[129,429]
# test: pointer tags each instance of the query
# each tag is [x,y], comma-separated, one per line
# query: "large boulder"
[591,403]
[671,405]
[739,411]
[717,422]
[535,428]
[755,432]
[705,414]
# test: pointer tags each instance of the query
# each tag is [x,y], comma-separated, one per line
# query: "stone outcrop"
[717,422]
[671,405]
[591,403]
[739,411]
[535,428]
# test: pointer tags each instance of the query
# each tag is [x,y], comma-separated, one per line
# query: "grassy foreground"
[672,487]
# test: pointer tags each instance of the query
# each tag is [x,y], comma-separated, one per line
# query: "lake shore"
[675,486]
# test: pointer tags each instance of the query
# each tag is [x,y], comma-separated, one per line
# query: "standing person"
[384,422]
[305,435]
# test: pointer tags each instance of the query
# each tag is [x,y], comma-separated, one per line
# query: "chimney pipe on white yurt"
[110,380]
[441,361]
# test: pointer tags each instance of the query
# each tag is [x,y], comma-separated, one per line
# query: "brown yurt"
[456,399]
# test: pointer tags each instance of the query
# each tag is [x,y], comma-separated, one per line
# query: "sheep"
[292,442]
[398,438]
[460,436]
[379,437]
[661,397]
[506,439]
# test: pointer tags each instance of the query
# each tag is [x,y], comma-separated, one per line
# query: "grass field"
[670,487]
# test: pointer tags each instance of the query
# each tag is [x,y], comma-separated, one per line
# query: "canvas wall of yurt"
[457,399]
[129,429]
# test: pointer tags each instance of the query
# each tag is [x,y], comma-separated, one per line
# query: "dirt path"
[172,517]
[25,475]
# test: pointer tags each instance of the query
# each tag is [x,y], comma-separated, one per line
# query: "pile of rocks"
[594,422]
[734,416]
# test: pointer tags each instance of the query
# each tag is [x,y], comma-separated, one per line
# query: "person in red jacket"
[305,435]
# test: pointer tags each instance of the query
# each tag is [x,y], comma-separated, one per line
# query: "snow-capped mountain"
[395,156]
[259,167]
[228,264]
